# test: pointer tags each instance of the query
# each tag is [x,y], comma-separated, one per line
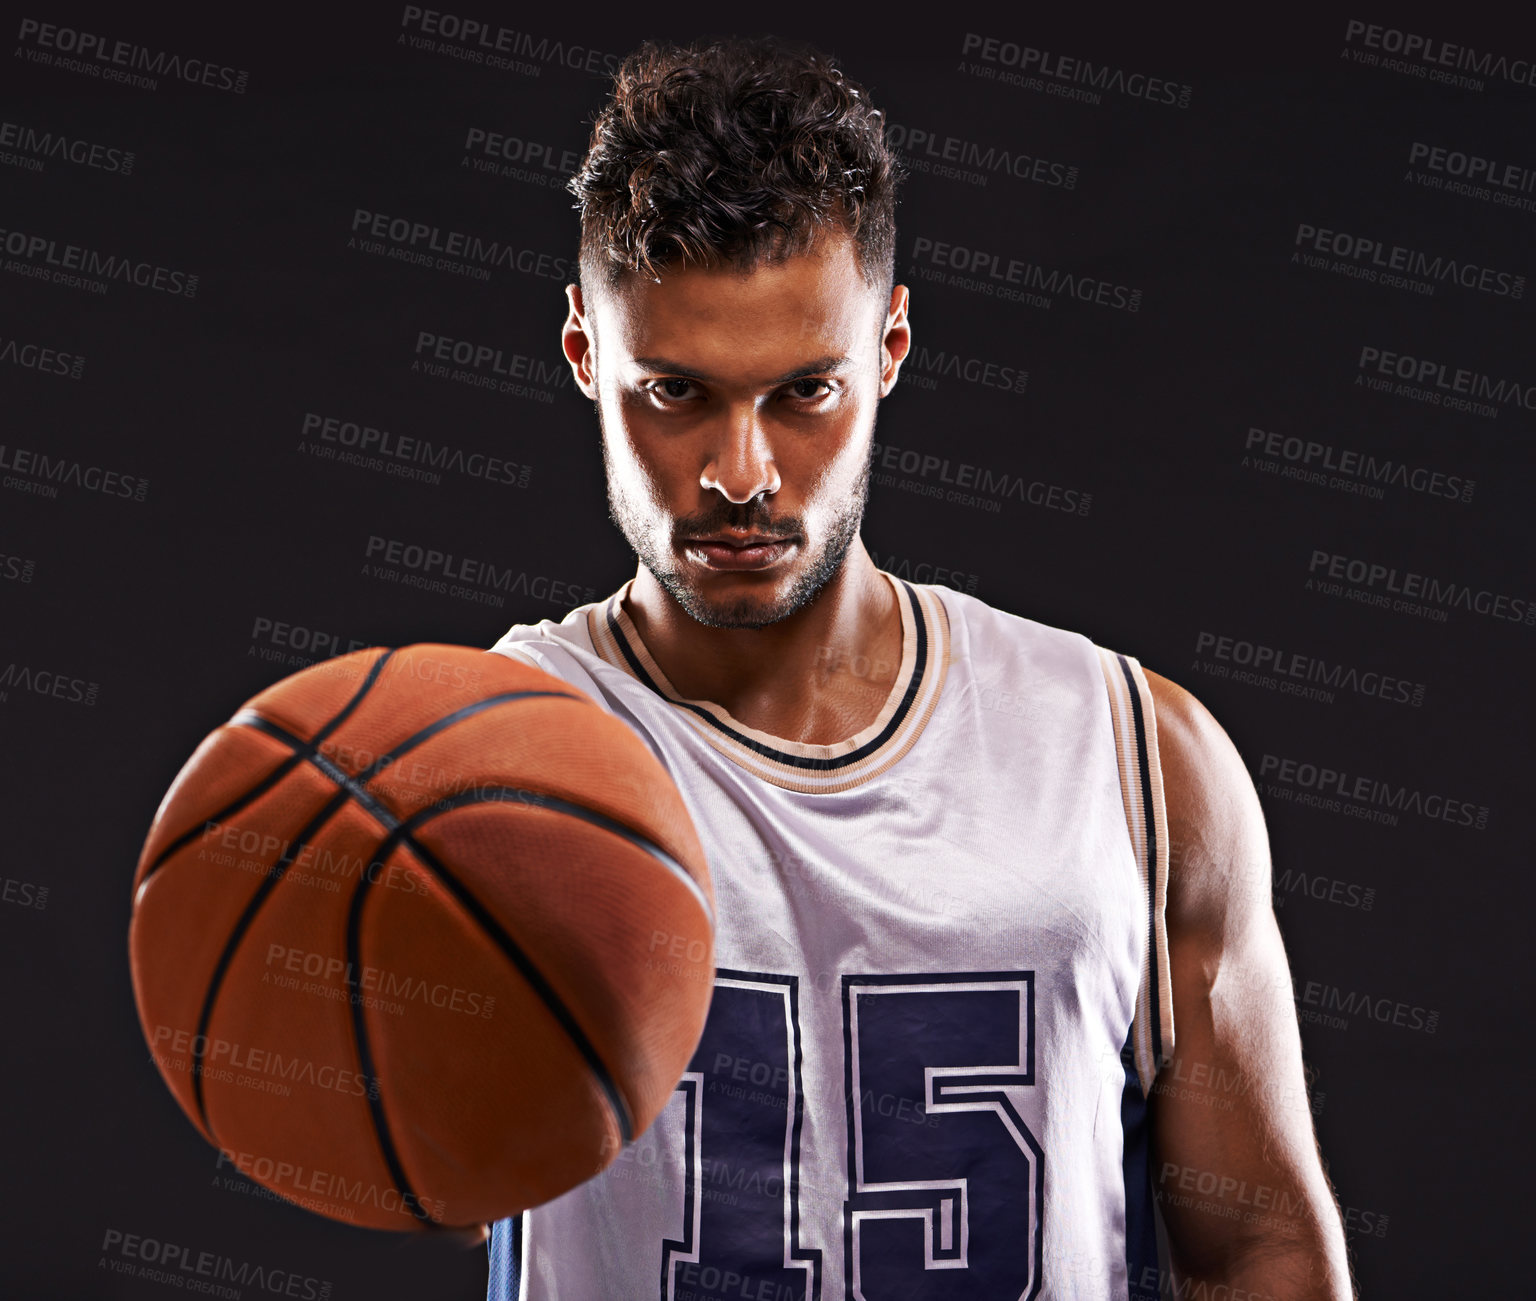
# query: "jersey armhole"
[514,652]
[1141,789]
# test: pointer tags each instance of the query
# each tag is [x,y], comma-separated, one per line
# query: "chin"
[738,609]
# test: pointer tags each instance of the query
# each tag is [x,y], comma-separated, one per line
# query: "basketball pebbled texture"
[394,942]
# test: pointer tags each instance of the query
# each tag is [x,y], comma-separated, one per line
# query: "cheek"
[830,482]
[635,457]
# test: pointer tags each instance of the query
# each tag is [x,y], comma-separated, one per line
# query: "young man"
[971,871]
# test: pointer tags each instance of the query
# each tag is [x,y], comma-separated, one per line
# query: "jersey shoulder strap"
[1141,787]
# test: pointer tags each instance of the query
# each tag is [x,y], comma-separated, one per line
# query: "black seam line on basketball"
[529,971]
[398,831]
[356,786]
[353,788]
[250,718]
[914,684]
[349,788]
[364,1048]
[1154,994]
[237,933]
[554,804]
[282,770]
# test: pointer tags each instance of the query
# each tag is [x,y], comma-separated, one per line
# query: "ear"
[577,343]
[897,340]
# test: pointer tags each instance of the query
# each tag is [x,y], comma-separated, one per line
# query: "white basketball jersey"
[941,991]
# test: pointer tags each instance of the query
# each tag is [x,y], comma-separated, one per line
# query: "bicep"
[1238,1168]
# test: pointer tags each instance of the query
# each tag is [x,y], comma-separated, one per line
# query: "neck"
[791,679]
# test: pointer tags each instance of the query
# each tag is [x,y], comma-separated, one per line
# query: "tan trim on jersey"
[1146,816]
[795,766]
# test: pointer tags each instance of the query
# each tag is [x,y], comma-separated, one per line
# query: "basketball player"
[971,871]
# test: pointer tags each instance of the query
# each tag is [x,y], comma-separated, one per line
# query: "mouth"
[738,551]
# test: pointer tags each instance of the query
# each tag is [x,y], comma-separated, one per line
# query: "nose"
[739,462]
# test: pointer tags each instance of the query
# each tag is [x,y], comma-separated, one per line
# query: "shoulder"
[565,650]
[1219,847]
[996,638]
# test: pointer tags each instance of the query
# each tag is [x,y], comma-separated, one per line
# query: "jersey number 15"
[944,1190]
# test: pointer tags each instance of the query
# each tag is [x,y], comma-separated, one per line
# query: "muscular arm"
[1237,1169]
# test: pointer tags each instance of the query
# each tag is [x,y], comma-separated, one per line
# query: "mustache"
[747,518]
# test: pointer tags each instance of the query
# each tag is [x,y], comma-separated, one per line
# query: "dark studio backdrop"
[1222,356]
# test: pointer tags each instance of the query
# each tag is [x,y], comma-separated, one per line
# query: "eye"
[810,389]
[670,390]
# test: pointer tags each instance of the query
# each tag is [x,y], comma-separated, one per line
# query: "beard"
[818,563]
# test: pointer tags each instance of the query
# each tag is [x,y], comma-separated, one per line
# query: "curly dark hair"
[735,152]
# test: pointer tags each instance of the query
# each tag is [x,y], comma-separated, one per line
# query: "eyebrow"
[816,367]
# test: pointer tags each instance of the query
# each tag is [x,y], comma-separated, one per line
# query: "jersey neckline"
[795,765]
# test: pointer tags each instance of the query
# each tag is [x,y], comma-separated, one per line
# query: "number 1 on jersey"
[743,1106]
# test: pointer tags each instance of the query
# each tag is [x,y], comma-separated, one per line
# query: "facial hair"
[633,519]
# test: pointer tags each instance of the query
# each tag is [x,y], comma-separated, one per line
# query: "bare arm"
[1236,1164]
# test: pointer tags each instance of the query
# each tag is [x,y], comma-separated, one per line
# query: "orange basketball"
[421,937]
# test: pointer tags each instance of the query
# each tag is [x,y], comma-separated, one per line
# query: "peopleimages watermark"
[17,569]
[328,1193]
[41,358]
[1456,388]
[1065,75]
[465,577]
[927,151]
[391,991]
[1296,674]
[51,684]
[40,474]
[910,470]
[1336,790]
[421,243]
[1324,889]
[1408,592]
[1307,460]
[927,366]
[1472,175]
[1331,1005]
[516,158]
[478,41]
[336,439]
[485,366]
[1433,58]
[284,642]
[35,147]
[208,1272]
[1000,276]
[43,258]
[1365,257]
[23,894]
[250,1066]
[925,571]
[121,61]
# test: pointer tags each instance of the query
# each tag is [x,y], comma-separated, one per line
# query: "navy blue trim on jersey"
[1141,1264]
[919,668]
[1149,813]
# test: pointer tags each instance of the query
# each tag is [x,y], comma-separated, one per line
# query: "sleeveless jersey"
[941,991]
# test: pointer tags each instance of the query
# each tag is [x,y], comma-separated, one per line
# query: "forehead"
[814,302]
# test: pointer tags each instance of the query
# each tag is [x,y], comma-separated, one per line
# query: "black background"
[166,604]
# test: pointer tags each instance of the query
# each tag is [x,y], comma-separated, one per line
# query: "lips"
[739,539]
[739,551]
